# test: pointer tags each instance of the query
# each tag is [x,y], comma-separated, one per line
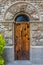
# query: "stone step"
[21,63]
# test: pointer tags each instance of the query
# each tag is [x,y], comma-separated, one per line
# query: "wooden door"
[22,40]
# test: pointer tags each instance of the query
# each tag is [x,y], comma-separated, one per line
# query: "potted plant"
[2,46]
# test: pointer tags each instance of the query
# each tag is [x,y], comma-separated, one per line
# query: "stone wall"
[6,29]
[36,31]
[36,34]
[5,4]
[36,48]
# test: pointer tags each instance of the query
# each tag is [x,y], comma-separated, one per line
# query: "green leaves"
[1,61]
[2,44]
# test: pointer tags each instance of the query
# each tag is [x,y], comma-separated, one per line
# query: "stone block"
[8,54]
[37,55]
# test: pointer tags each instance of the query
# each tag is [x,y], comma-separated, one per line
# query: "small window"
[22,18]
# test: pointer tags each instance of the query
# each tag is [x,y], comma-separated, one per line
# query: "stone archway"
[21,8]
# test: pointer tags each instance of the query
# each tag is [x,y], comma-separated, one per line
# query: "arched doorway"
[16,8]
[22,37]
